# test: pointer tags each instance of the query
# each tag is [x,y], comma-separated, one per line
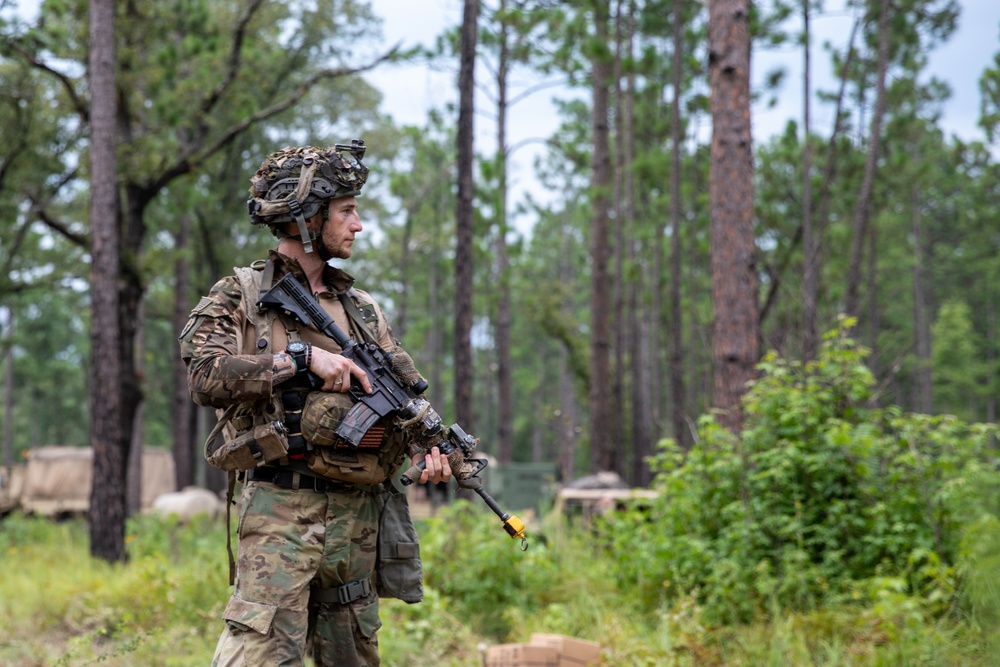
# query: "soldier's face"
[343,224]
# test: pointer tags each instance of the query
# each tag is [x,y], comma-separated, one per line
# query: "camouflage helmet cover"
[292,184]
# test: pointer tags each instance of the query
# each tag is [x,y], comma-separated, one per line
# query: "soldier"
[309,518]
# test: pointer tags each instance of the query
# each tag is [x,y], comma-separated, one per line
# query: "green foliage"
[481,573]
[824,500]
[161,608]
[957,370]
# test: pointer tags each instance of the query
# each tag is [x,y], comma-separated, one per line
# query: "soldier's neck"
[310,262]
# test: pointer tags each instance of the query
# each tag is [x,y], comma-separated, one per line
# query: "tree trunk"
[183,450]
[567,419]
[567,393]
[641,357]
[619,240]
[464,221]
[873,325]
[403,311]
[505,401]
[991,356]
[602,454]
[434,344]
[677,410]
[832,153]
[107,501]
[134,474]
[862,209]
[137,434]
[921,324]
[810,268]
[8,395]
[734,277]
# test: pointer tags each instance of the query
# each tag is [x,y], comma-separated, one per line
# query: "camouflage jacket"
[219,346]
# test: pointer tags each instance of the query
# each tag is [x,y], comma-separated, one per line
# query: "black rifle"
[390,397]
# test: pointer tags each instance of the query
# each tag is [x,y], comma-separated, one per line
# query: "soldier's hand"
[336,371]
[437,467]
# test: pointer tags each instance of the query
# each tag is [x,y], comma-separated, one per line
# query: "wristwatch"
[300,354]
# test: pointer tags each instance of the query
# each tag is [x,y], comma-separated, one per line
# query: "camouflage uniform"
[290,540]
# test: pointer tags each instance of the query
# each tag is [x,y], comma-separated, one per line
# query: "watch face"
[295,347]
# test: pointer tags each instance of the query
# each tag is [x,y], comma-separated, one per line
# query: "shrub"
[824,498]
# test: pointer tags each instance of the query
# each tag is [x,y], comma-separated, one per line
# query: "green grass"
[58,607]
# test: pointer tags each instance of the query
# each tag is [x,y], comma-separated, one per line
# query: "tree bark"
[505,400]
[810,268]
[567,393]
[137,435]
[8,394]
[991,356]
[731,201]
[567,420]
[863,206]
[921,323]
[134,475]
[602,454]
[619,240]
[642,358]
[183,450]
[464,221]
[109,442]
[872,323]
[677,410]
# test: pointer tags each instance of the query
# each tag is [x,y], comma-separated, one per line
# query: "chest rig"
[286,403]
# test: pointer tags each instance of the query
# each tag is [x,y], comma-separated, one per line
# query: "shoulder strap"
[351,308]
[252,281]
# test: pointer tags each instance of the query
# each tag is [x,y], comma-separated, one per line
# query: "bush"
[824,499]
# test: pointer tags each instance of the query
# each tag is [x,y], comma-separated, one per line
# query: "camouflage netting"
[308,176]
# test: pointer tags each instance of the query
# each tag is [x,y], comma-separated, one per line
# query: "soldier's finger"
[356,371]
[426,474]
[433,463]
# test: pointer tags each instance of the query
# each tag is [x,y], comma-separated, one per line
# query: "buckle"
[353,591]
[345,594]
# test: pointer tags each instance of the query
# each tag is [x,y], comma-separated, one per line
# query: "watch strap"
[301,357]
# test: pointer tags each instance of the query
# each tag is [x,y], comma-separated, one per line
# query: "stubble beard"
[342,251]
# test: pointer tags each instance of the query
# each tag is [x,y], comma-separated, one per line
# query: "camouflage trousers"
[289,541]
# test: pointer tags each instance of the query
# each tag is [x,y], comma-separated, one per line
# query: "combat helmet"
[294,183]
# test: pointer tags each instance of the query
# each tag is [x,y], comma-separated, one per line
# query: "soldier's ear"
[314,223]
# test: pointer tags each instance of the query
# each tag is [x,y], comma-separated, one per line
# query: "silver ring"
[339,382]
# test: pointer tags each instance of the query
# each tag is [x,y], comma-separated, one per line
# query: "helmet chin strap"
[295,208]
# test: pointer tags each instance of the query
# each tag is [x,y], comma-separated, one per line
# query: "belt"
[349,592]
[291,479]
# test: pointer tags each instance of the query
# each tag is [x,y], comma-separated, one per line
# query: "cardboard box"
[573,652]
[522,655]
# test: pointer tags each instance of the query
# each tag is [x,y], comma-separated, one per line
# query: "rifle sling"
[357,321]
